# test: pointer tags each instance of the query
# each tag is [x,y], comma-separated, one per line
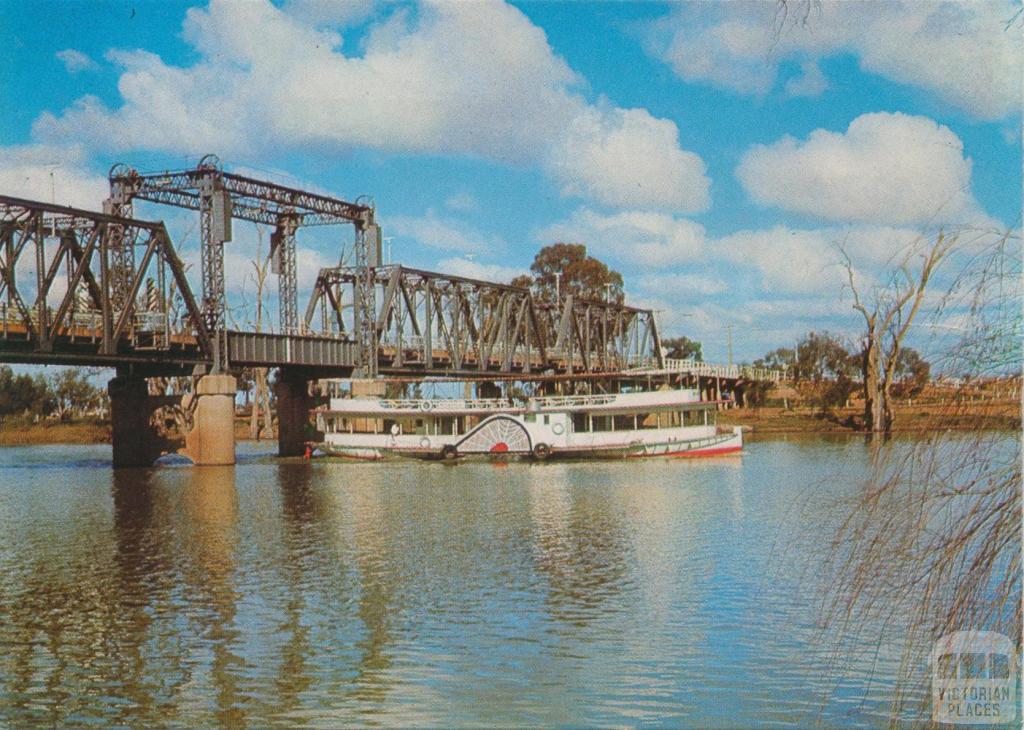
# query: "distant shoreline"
[84,431]
[910,418]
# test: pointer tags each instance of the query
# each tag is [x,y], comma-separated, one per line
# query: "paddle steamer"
[666,422]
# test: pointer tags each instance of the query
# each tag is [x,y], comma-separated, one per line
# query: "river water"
[672,592]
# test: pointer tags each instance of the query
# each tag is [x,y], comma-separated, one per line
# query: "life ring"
[541,452]
[449,452]
[425,443]
[558,429]
[426,406]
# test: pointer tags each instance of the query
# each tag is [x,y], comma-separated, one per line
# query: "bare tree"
[261,395]
[932,542]
[795,13]
[888,311]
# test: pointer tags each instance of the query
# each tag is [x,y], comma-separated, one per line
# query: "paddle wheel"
[497,435]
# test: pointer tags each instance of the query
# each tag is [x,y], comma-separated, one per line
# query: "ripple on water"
[328,594]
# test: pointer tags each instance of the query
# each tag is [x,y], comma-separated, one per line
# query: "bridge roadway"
[79,287]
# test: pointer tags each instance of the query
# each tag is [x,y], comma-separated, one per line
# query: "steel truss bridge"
[107,289]
[431,322]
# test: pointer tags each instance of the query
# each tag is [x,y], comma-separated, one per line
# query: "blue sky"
[711,155]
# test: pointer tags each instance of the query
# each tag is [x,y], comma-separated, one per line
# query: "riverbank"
[909,418]
[18,432]
[27,433]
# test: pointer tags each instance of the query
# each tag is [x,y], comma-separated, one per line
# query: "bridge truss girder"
[103,311]
[220,196]
[433,322]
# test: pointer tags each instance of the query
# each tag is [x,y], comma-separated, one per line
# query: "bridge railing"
[89,323]
[708,370]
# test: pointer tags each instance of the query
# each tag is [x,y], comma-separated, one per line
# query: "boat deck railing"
[560,401]
[432,404]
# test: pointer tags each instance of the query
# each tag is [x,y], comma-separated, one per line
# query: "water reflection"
[210,511]
[580,545]
[302,511]
[332,594]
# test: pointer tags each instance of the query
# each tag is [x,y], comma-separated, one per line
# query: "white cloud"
[963,52]
[683,284]
[51,172]
[462,202]
[810,82]
[447,234]
[76,61]
[640,239]
[477,270]
[627,158]
[802,261]
[809,261]
[886,168]
[433,79]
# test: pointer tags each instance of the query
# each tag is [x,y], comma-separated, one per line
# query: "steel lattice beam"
[286,209]
[434,322]
[66,297]
[282,252]
[254,200]
[103,311]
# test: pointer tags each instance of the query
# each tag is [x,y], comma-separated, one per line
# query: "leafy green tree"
[912,373]
[782,358]
[74,393]
[822,356]
[562,269]
[23,394]
[682,348]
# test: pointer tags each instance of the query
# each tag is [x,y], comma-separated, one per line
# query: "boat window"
[668,419]
[646,420]
[626,422]
[366,425]
[710,417]
[601,423]
[446,426]
[693,418]
[580,422]
[547,419]
[420,427]
[531,417]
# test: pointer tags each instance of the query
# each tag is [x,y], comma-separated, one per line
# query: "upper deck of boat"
[637,401]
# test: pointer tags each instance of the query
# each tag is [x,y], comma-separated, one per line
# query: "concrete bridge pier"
[293,404]
[211,440]
[135,438]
